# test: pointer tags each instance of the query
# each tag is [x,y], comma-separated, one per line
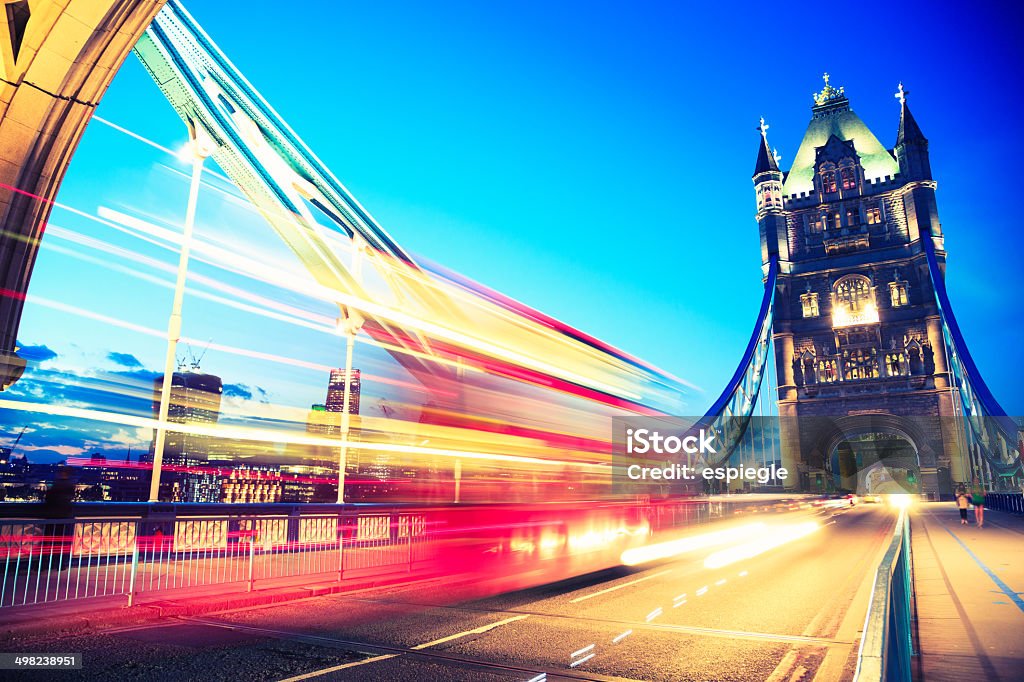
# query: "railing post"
[341,547]
[135,568]
[408,532]
[252,561]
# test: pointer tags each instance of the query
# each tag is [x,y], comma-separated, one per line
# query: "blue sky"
[588,159]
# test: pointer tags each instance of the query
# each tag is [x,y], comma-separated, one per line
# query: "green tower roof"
[831,115]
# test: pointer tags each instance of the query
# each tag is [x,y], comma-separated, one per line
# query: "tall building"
[195,399]
[336,392]
[859,349]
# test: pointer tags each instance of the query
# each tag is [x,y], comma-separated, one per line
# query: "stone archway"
[872,461]
[846,450]
[56,61]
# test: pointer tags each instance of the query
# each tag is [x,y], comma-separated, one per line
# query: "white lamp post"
[200,146]
[349,324]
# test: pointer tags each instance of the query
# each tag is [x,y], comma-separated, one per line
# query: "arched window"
[809,303]
[848,178]
[896,364]
[853,301]
[860,364]
[898,293]
[828,182]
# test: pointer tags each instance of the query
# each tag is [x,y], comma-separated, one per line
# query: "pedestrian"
[961,503]
[978,500]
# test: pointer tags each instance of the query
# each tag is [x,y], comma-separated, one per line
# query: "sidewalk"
[970,594]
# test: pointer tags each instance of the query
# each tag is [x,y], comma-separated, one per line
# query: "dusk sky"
[588,159]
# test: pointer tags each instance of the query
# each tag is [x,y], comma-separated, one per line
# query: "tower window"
[896,364]
[874,215]
[809,302]
[860,364]
[852,217]
[853,302]
[848,179]
[898,294]
[837,221]
[828,182]
[827,371]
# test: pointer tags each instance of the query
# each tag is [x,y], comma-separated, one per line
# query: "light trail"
[772,538]
[664,550]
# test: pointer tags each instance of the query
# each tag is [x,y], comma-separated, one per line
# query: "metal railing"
[55,560]
[887,645]
[1007,502]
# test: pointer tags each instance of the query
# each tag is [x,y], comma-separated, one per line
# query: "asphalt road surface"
[793,612]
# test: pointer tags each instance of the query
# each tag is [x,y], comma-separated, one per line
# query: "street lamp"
[349,324]
[200,146]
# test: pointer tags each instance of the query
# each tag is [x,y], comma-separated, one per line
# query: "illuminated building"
[858,335]
[336,392]
[251,485]
[195,399]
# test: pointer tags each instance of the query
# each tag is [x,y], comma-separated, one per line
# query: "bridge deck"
[969,584]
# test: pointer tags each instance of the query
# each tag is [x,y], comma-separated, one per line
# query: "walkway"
[969,584]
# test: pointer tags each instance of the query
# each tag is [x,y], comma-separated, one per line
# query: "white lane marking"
[743,573]
[475,631]
[654,614]
[681,596]
[720,582]
[585,658]
[702,591]
[581,651]
[324,671]
[618,587]
[540,678]
[678,604]
[622,636]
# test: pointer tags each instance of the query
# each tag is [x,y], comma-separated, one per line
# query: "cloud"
[238,391]
[125,360]
[40,353]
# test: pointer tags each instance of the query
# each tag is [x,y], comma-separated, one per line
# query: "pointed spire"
[909,130]
[766,160]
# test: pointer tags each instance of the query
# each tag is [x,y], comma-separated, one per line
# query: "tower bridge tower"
[861,360]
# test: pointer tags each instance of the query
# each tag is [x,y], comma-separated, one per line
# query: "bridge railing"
[1007,502]
[59,560]
[887,647]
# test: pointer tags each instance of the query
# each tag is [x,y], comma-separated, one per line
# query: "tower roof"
[765,158]
[831,115]
[909,130]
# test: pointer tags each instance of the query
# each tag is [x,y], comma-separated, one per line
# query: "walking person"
[961,503]
[978,500]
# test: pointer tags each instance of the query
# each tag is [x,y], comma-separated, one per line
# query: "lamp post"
[349,323]
[200,147]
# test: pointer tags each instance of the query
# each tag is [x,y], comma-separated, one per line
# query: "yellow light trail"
[774,537]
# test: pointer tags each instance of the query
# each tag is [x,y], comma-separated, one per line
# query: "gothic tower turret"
[911,144]
[768,190]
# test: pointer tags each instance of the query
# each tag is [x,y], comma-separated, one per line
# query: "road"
[793,612]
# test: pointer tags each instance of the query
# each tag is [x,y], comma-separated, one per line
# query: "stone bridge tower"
[861,361]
